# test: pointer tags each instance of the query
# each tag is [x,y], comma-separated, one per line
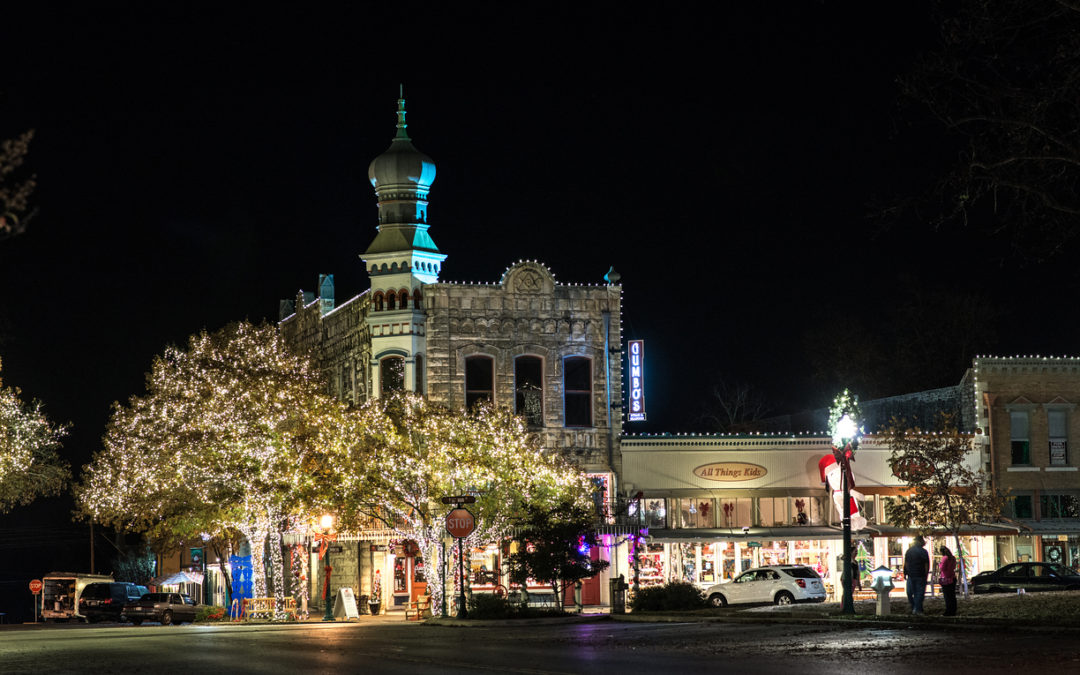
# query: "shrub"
[488,606]
[674,596]
[209,613]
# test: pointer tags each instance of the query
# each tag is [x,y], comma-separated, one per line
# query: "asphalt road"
[604,646]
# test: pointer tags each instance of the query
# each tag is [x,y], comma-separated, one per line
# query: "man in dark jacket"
[916,569]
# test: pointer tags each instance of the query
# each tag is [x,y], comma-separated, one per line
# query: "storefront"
[717,506]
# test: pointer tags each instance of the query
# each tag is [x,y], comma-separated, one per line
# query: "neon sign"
[636,349]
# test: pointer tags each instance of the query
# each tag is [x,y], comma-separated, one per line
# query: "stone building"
[550,351]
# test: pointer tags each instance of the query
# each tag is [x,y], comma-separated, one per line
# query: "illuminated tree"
[414,453]
[29,464]
[14,192]
[232,435]
[945,491]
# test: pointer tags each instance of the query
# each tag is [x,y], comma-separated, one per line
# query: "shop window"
[391,375]
[809,510]
[399,575]
[735,512]
[1059,506]
[1018,431]
[418,373]
[528,389]
[772,512]
[1022,506]
[651,565]
[696,513]
[1057,420]
[577,391]
[479,380]
[655,514]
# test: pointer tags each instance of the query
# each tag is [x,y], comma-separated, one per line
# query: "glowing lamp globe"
[326,522]
[845,428]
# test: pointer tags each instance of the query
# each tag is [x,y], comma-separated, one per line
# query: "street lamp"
[845,439]
[325,533]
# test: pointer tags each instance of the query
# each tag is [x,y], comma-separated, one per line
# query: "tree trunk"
[277,570]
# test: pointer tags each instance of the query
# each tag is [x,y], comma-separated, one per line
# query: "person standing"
[947,579]
[916,567]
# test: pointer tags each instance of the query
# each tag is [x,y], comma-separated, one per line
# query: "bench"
[255,608]
[544,600]
[418,609]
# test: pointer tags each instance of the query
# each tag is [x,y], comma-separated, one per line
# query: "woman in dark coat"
[947,580]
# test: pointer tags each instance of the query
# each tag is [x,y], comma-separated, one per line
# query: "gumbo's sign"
[636,355]
[730,471]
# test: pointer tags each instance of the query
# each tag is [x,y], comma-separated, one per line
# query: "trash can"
[618,589]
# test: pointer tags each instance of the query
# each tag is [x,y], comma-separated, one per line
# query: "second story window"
[577,391]
[479,380]
[528,389]
[1059,444]
[418,368]
[1018,435]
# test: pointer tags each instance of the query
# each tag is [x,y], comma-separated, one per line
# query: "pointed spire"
[401,115]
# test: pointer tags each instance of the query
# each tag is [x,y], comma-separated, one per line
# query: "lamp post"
[325,533]
[845,439]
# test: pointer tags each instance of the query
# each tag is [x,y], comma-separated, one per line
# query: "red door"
[590,588]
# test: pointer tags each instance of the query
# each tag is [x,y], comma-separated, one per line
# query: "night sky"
[197,164]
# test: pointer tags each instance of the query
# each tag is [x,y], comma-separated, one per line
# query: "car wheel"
[166,618]
[717,600]
[784,598]
[137,622]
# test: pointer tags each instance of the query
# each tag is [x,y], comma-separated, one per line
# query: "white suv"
[780,584]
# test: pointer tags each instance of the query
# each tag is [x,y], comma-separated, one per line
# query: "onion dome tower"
[400,261]
[402,177]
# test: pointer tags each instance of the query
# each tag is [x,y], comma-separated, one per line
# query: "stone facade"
[414,332]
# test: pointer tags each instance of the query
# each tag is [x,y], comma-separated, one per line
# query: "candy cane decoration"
[832,475]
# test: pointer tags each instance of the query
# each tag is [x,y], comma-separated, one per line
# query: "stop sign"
[460,523]
[35,586]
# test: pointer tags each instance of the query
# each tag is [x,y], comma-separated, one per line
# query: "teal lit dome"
[402,165]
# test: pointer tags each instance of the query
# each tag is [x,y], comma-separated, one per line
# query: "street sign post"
[458,501]
[35,588]
[460,524]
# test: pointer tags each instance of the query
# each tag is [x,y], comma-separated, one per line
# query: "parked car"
[104,601]
[780,584]
[1029,576]
[168,608]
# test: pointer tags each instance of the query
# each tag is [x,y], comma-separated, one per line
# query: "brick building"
[1025,409]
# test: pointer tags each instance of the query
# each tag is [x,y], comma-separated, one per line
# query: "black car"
[1029,576]
[168,608]
[104,601]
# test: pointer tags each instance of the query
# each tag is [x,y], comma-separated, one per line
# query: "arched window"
[416,297]
[529,389]
[479,380]
[391,301]
[377,301]
[577,391]
[391,375]
[403,299]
